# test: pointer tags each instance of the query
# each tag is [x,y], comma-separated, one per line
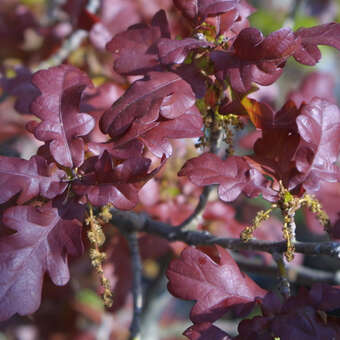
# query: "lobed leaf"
[58,107]
[186,126]
[45,237]
[198,10]
[30,178]
[319,128]
[326,34]
[163,94]
[103,181]
[234,176]
[254,58]
[215,284]
[175,51]
[135,50]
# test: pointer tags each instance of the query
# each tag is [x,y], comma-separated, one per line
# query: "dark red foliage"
[30,179]
[319,127]
[198,10]
[158,99]
[303,313]
[234,176]
[215,284]
[175,51]
[103,182]
[309,53]
[100,145]
[254,58]
[136,49]
[45,237]
[58,108]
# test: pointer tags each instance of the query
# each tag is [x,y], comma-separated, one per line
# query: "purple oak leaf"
[198,10]
[234,176]
[215,284]
[30,178]
[45,237]
[103,180]
[135,50]
[319,128]
[254,58]
[58,107]
[186,126]
[326,34]
[175,51]
[163,94]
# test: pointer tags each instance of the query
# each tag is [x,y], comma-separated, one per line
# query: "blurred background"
[32,33]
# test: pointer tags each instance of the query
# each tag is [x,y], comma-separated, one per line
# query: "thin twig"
[196,216]
[71,43]
[140,222]
[137,292]
[284,285]
[297,274]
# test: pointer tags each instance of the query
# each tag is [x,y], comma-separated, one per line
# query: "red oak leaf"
[231,23]
[160,93]
[319,127]
[30,178]
[58,108]
[192,75]
[215,284]
[186,126]
[303,323]
[254,58]
[234,175]
[309,53]
[298,317]
[276,147]
[45,237]
[198,10]
[175,51]
[102,181]
[135,50]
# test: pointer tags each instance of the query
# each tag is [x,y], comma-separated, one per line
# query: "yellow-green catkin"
[96,237]
[288,204]
[316,208]
[260,217]
[229,123]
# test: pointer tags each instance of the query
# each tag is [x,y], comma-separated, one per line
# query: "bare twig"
[137,291]
[297,274]
[196,216]
[140,222]
[70,44]
[284,285]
